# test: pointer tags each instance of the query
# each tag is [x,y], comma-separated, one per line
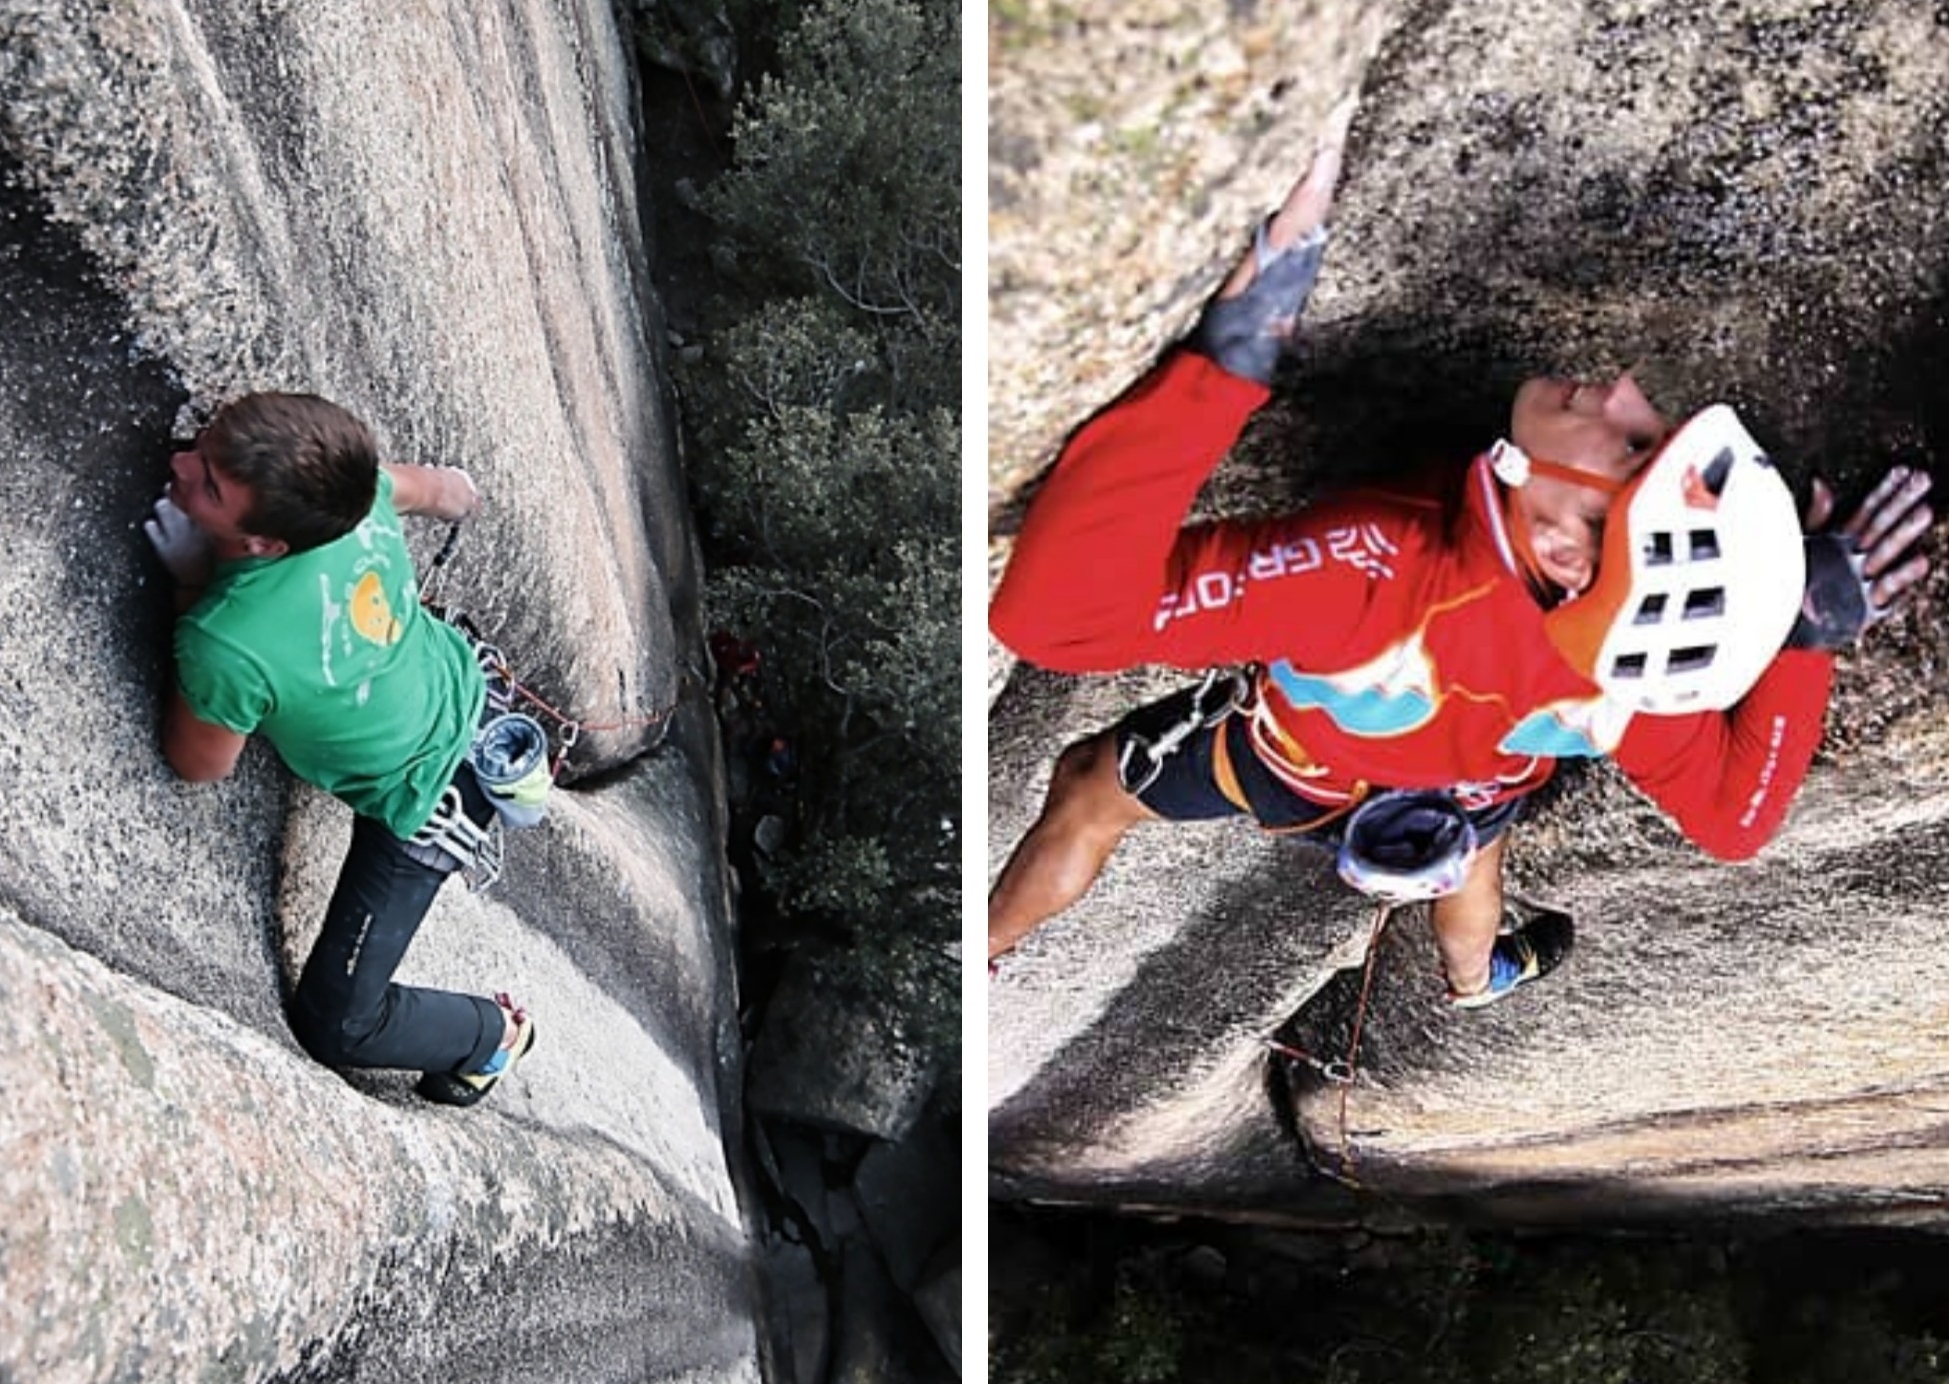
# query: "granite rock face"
[1747,200]
[433,217]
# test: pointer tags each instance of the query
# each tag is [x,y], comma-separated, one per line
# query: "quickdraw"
[476,851]
[1343,1072]
[1142,758]
[1336,1071]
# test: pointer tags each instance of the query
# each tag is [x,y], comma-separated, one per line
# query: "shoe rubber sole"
[470,1088]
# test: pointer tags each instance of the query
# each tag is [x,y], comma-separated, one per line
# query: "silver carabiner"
[1336,1072]
[1198,716]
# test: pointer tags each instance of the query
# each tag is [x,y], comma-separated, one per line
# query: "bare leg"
[1083,818]
[1466,921]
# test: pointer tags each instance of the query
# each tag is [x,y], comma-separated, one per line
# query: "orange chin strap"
[1576,475]
[1516,477]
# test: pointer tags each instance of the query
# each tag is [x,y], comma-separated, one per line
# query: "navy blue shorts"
[1186,786]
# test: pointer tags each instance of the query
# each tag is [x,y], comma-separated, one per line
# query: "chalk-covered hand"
[183,547]
[459,496]
[1860,572]
[1249,322]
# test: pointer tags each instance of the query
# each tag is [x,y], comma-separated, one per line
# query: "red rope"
[1385,912]
[563,719]
[702,119]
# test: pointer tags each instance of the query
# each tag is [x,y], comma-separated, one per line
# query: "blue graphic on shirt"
[1369,710]
[1547,735]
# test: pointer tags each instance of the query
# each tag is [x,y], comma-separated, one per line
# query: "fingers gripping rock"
[1245,335]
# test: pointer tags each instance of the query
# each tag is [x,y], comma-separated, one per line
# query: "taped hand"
[1859,573]
[1249,322]
[182,546]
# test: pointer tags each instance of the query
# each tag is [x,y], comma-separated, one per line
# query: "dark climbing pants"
[346,1011]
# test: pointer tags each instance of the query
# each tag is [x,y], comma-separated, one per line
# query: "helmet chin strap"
[1514,468]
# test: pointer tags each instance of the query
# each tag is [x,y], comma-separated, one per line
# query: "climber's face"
[1608,429]
[216,502]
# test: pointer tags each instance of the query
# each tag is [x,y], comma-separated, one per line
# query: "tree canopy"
[827,474]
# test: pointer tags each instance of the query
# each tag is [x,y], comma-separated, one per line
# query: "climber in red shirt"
[1420,656]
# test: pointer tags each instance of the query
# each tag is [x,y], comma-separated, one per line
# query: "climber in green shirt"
[300,619]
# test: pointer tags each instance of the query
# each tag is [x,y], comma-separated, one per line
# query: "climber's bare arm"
[439,492]
[197,750]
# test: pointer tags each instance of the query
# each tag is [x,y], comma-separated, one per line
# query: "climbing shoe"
[469,1088]
[1526,952]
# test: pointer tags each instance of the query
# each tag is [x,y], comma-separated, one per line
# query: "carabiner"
[1336,1072]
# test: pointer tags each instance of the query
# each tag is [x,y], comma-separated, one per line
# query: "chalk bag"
[510,758]
[1408,846]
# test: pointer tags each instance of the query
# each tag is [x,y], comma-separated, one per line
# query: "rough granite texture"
[1747,199]
[409,214]
[432,216]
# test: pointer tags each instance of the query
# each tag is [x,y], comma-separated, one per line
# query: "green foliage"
[827,477]
[848,182]
[1461,1308]
[1145,1342]
[1619,1320]
[1851,1336]
[1138,1337]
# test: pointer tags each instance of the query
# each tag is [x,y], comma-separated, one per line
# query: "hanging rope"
[1344,1071]
[494,663]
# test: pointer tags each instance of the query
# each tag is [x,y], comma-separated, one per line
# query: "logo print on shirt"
[372,614]
[1365,547]
[1391,694]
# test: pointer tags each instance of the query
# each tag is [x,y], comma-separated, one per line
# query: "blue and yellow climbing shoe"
[469,1088]
[1526,952]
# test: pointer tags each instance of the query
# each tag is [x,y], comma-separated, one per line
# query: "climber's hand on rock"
[183,547]
[1250,320]
[1861,571]
[459,496]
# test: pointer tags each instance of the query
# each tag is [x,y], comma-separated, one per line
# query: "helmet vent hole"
[1628,666]
[1706,604]
[1690,660]
[1716,473]
[1658,550]
[1651,610]
[1705,544]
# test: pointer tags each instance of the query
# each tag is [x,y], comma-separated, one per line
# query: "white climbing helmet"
[1700,577]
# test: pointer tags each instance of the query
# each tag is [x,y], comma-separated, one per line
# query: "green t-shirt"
[329,654]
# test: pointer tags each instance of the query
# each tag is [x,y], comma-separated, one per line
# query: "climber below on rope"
[299,618]
[1596,584]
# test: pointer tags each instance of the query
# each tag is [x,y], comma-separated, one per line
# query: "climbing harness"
[1223,691]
